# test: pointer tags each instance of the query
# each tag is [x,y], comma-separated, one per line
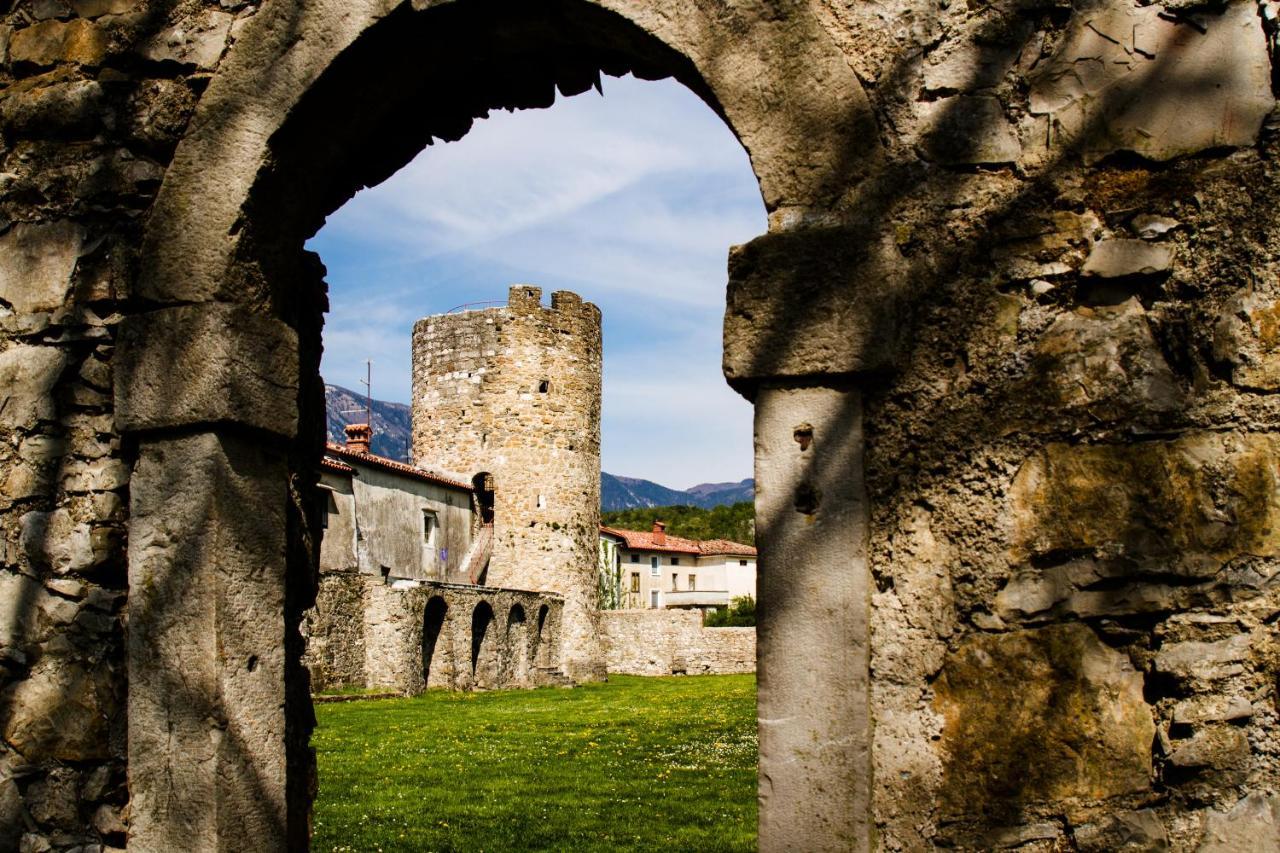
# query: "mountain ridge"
[392,431]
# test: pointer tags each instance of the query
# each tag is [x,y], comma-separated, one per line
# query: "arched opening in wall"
[416,78]
[542,652]
[516,648]
[432,624]
[482,488]
[484,653]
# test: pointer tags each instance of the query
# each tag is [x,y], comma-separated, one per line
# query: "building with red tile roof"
[652,569]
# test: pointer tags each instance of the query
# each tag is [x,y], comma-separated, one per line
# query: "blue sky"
[631,199]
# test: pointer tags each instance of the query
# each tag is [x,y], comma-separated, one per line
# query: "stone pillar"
[207,762]
[218,714]
[813,638]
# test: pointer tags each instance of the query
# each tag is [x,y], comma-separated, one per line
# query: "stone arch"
[542,648]
[221,375]
[484,653]
[433,619]
[787,92]
[483,489]
[517,645]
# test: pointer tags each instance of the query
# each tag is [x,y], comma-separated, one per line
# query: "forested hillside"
[736,522]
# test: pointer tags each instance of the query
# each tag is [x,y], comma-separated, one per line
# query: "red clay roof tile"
[645,541]
[341,452]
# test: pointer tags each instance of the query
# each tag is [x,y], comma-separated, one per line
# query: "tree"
[741,613]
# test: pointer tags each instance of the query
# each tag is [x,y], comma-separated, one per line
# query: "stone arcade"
[1011,340]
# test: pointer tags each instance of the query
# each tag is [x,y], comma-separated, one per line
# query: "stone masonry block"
[1036,716]
[1184,507]
[28,375]
[50,42]
[62,710]
[809,303]
[54,108]
[205,364]
[1133,78]
[198,41]
[1102,364]
[1252,824]
[37,262]
[1247,338]
[1122,258]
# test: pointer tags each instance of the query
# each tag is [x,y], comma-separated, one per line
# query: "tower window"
[542,501]
[544,386]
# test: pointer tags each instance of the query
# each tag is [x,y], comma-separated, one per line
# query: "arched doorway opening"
[433,620]
[482,487]
[286,132]
[484,652]
[542,646]
[517,645]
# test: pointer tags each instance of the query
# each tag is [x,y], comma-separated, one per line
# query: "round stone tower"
[514,393]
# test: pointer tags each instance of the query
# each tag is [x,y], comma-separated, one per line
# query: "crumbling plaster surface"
[1049,281]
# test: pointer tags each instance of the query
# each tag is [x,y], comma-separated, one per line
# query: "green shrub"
[741,613]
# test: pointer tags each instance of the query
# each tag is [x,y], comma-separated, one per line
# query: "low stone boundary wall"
[413,635]
[666,642]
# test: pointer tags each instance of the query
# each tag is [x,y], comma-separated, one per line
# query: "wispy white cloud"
[631,200]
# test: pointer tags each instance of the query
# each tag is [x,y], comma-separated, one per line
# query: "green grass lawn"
[633,764]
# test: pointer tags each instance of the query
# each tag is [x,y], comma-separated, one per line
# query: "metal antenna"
[368,392]
[367,382]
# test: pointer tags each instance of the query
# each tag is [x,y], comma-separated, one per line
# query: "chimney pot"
[358,436]
[660,532]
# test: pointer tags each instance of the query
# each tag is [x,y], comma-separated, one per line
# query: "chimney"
[659,532]
[358,436]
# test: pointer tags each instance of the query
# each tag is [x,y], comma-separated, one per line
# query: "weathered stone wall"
[1028,250]
[366,633]
[515,392]
[335,631]
[673,642]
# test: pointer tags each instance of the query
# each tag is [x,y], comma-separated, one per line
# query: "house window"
[693,582]
[635,558]
[742,562]
[675,561]
[328,506]
[653,566]
[673,581]
[428,525]
[635,581]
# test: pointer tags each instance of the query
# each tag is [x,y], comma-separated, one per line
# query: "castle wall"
[673,642]
[515,392]
[366,633]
